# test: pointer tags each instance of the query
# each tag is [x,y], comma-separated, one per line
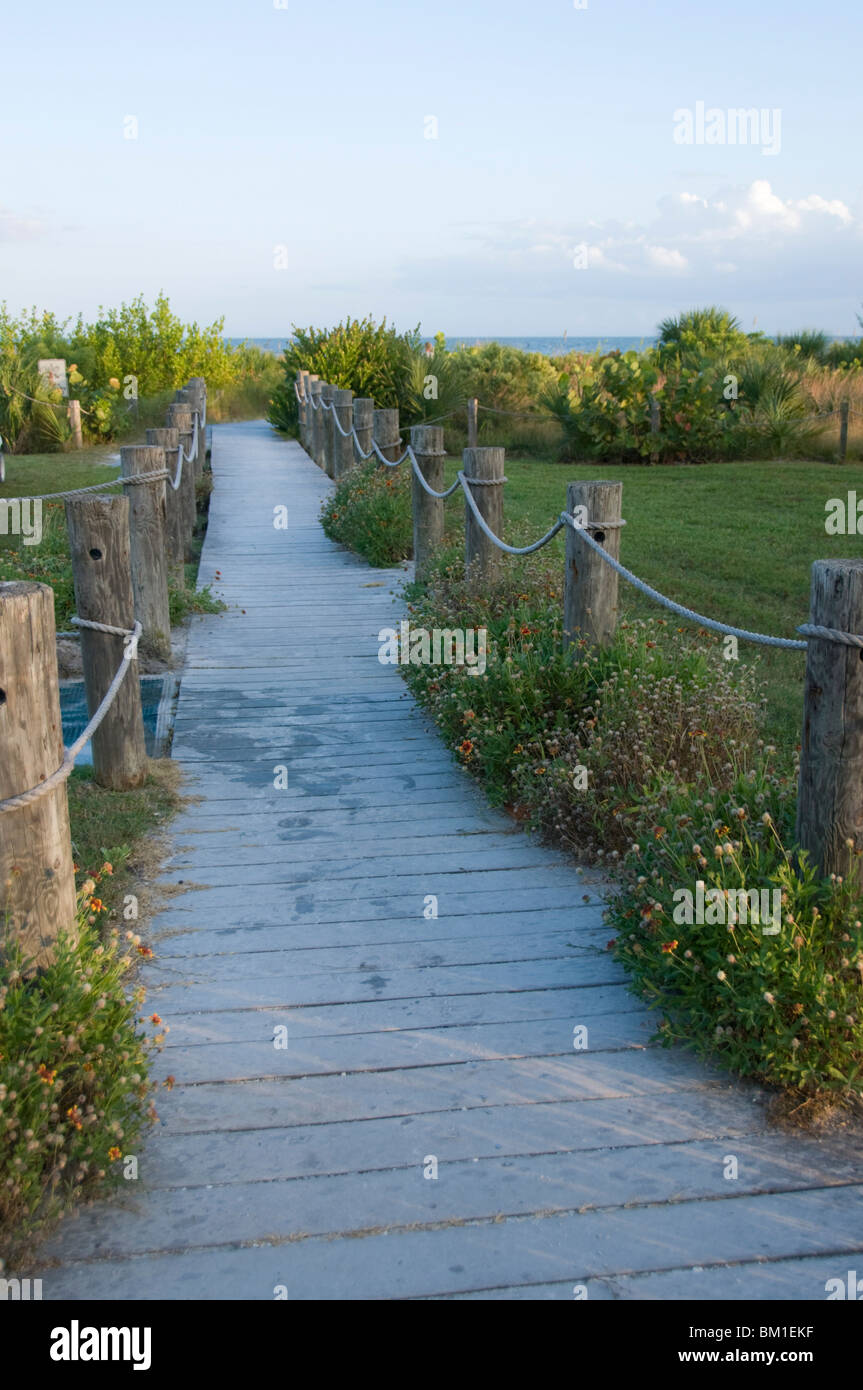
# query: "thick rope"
[831,634]
[486,529]
[154,477]
[14,803]
[759,638]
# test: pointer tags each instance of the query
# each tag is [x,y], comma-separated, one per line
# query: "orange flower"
[96,905]
[74,1115]
[45,1076]
[669,946]
[114,1153]
[466,748]
[145,952]
[154,1018]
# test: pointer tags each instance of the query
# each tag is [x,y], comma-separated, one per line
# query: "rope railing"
[130,636]
[134,478]
[808,630]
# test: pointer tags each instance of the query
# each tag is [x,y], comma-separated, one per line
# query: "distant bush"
[127,356]
[371,359]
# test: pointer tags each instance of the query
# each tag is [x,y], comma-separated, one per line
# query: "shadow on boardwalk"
[413,1043]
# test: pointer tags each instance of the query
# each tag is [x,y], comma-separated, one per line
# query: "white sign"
[53,372]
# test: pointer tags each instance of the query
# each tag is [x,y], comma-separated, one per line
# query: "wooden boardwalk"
[408,1038]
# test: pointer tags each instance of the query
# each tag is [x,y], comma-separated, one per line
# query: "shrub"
[370,511]
[359,355]
[128,355]
[536,713]
[75,1092]
[669,704]
[784,1008]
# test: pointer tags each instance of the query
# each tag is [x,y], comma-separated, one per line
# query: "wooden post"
[590,599]
[302,407]
[147,546]
[472,422]
[385,429]
[73,410]
[192,396]
[101,548]
[327,395]
[830,789]
[364,422]
[428,512]
[309,441]
[316,388]
[180,418]
[843,430]
[482,557]
[37,880]
[175,534]
[654,426]
[342,447]
[198,384]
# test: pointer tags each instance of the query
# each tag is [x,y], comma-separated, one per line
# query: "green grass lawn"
[734,541]
[33,474]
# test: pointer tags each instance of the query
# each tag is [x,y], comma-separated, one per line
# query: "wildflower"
[74,1116]
[145,952]
[114,1153]
[466,748]
[669,946]
[46,1076]
[768,997]
[720,975]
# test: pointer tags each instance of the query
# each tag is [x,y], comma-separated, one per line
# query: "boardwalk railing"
[830,789]
[123,549]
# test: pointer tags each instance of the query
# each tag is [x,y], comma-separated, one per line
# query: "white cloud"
[15,228]
[666,259]
[771,250]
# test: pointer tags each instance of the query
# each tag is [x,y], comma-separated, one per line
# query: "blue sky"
[281,171]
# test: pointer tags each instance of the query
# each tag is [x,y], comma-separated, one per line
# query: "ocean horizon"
[548,347]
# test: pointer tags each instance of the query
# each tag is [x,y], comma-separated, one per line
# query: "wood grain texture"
[147,525]
[37,882]
[99,543]
[830,793]
[317,440]
[342,448]
[590,602]
[482,557]
[428,512]
[168,439]
[364,421]
[180,418]
[385,430]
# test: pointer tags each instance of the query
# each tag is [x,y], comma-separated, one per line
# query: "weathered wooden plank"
[464,1190]
[460,1257]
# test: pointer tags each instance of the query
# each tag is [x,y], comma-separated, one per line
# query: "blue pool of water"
[156,692]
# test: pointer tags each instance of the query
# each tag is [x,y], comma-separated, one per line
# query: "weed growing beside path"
[75,1041]
[647,756]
